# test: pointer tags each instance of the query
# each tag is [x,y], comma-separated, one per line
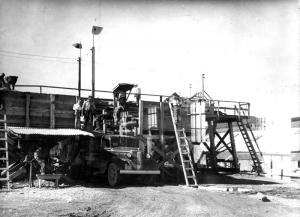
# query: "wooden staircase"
[185,153]
[4,163]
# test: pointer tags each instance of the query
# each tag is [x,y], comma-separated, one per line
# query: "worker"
[175,100]
[40,155]
[4,85]
[77,107]
[3,88]
[11,81]
[120,107]
[88,110]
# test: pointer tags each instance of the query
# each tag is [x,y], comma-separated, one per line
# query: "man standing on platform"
[77,109]
[88,110]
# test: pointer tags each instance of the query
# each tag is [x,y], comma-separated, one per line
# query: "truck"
[117,149]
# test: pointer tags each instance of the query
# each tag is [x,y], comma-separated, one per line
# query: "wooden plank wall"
[26,109]
[39,110]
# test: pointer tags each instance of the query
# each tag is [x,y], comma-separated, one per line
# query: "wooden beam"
[222,139]
[232,141]
[161,129]
[52,111]
[27,110]
[212,125]
[205,144]
[224,143]
[141,116]
[161,132]
[158,151]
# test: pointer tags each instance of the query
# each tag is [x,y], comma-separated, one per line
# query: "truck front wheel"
[113,174]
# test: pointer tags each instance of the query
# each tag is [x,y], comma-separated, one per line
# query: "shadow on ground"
[135,181]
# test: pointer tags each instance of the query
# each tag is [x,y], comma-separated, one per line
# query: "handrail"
[72,88]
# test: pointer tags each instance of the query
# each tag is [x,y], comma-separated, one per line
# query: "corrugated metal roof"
[49,132]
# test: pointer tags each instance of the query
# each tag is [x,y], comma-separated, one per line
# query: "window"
[152,117]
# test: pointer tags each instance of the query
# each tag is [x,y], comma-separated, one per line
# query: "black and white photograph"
[151,108]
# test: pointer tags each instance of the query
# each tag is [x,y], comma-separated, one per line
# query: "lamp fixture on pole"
[79,46]
[96,30]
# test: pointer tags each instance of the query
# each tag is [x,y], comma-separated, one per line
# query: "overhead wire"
[28,56]
[35,55]
[38,59]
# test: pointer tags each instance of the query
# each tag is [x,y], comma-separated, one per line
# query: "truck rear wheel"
[113,174]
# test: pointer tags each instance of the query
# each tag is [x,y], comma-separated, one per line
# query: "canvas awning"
[48,132]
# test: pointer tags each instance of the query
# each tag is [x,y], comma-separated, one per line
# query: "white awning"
[49,132]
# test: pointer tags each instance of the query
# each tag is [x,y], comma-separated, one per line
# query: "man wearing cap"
[88,109]
[3,87]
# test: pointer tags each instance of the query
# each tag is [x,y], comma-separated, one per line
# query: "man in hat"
[40,155]
[120,107]
[3,87]
[77,107]
[88,110]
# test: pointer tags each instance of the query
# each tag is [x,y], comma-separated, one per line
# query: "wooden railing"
[41,87]
[223,107]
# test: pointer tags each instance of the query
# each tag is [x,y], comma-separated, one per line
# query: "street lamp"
[96,30]
[79,46]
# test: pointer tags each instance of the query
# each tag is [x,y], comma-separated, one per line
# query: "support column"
[27,110]
[52,111]
[212,125]
[161,129]
[161,132]
[141,116]
[232,141]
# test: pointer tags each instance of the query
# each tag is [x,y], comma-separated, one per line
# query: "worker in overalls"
[88,110]
[77,107]
[175,100]
[40,155]
[4,86]
[120,107]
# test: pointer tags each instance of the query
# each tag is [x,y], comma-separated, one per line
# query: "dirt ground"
[245,197]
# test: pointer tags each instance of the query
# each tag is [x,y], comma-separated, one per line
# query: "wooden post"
[161,129]
[161,132]
[52,111]
[30,175]
[141,116]
[77,115]
[232,141]
[27,110]
[212,128]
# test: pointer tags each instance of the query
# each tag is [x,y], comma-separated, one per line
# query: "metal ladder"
[253,153]
[4,164]
[185,154]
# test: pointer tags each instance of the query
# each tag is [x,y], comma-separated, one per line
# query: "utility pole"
[79,46]
[79,76]
[93,69]
[96,30]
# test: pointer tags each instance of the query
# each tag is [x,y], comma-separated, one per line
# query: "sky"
[248,50]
